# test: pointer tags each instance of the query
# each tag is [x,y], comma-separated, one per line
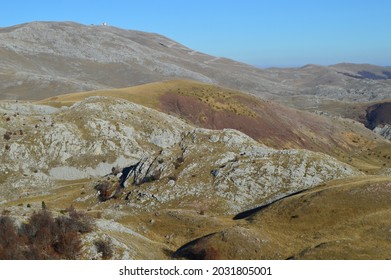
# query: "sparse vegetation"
[7,135]
[116,170]
[104,247]
[43,236]
[55,159]
[103,189]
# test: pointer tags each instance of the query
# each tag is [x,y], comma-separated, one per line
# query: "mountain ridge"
[45,59]
[191,169]
[275,125]
[138,57]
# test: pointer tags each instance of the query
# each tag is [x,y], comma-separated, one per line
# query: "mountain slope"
[173,181]
[43,144]
[44,59]
[344,219]
[163,164]
[275,125]
[52,58]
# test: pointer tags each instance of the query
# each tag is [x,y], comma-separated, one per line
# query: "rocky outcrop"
[383,130]
[229,172]
[173,162]
[378,114]
[71,57]
[42,144]
[53,58]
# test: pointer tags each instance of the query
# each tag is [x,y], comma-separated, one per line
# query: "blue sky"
[259,32]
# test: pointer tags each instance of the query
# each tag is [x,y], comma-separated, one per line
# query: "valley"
[175,154]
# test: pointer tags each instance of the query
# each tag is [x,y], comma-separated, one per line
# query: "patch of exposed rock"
[179,165]
[228,172]
[42,144]
[383,130]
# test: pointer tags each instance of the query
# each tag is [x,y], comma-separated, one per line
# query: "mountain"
[44,59]
[52,58]
[63,57]
[43,144]
[127,145]
[270,123]
[66,157]
[153,182]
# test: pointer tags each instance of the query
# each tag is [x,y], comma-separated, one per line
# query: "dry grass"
[148,95]
[277,126]
[342,219]
[302,226]
[59,198]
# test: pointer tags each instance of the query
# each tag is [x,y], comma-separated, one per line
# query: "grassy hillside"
[277,126]
[343,219]
[187,181]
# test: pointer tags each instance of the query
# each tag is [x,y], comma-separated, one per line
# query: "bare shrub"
[104,190]
[39,228]
[104,247]
[8,239]
[115,170]
[173,177]
[80,221]
[153,177]
[68,244]
[7,135]
[44,237]
[39,235]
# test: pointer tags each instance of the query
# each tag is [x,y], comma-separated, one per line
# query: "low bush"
[44,237]
[104,247]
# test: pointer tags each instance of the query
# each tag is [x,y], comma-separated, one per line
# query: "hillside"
[270,123]
[201,177]
[43,144]
[43,59]
[343,219]
[122,144]
[52,58]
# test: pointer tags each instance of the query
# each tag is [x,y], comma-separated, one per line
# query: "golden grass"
[353,144]
[341,219]
[344,210]
[59,198]
[148,95]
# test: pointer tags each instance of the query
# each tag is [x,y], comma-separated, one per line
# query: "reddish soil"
[273,124]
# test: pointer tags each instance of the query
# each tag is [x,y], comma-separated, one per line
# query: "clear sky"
[259,32]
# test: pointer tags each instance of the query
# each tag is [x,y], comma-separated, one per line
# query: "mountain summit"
[45,59]
[52,58]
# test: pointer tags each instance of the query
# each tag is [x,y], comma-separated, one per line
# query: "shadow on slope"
[343,219]
[275,125]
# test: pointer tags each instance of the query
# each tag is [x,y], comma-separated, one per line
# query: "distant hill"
[44,59]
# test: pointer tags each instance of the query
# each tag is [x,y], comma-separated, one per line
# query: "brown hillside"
[273,124]
[344,219]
